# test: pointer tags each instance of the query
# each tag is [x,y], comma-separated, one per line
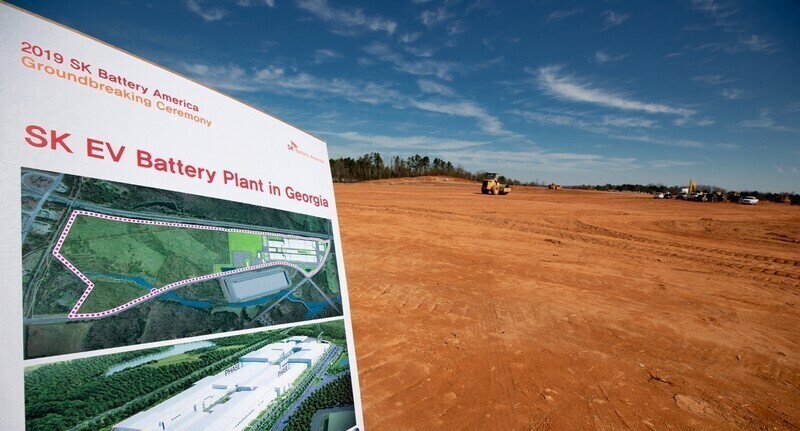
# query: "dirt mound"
[570,310]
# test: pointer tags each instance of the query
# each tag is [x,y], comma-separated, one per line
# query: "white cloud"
[586,121]
[384,142]
[347,20]
[432,87]
[410,37]
[538,160]
[617,127]
[567,87]
[659,164]
[229,78]
[561,14]
[684,143]
[794,170]
[628,122]
[421,67]
[430,18]
[754,43]
[708,159]
[477,154]
[688,143]
[712,79]
[323,55]
[602,57]
[489,42]
[364,61]
[613,19]
[487,122]
[732,93]
[208,14]
[265,46]
[418,51]
[246,3]
[295,83]
[478,5]
[780,170]
[721,13]
[455,27]
[757,43]
[689,121]
[550,118]
[298,84]
[765,121]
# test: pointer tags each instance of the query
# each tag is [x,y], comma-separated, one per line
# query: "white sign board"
[171,257]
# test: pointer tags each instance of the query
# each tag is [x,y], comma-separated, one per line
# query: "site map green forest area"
[107,264]
[157,388]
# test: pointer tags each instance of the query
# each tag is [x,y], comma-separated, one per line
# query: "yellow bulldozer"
[554,186]
[492,186]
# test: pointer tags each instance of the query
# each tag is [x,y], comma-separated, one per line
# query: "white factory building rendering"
[231,399]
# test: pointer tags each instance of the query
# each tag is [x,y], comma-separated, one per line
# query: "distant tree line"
[707,189]
[374,166]
[648,188]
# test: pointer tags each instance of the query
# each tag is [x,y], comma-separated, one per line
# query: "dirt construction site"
[561,309]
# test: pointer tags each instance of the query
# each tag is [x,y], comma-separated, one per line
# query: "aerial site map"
[107,264]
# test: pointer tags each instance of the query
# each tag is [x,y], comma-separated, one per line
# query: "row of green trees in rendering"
[63,395]
[337,393]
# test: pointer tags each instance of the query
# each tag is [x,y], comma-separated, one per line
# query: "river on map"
[313,307]
[174,350]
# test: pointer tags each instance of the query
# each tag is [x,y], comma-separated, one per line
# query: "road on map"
[78,204]
[28,189]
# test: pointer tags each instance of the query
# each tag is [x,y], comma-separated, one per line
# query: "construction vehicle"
[695,193]
[554,186]
[492,186]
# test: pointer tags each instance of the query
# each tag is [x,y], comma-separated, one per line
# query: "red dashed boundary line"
[74,314]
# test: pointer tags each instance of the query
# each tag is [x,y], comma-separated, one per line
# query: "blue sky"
[574,92]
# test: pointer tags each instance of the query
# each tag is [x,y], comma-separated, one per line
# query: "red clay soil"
[570,309]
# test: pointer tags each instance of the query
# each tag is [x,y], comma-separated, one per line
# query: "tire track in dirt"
[584,326]
[746,257]
[498,372]
[716,251]
[710,256]
[622,241]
